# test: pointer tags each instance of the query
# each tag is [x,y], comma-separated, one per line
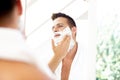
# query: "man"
[62,21]
[16,61]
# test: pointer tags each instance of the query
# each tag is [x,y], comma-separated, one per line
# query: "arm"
[65,71]
[54,62]
[13,70]
[60,52]
[67,62]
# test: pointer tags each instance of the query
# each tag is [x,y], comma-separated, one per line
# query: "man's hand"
[61,49]
[60,52]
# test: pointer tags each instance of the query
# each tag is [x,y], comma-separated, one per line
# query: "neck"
[9,24]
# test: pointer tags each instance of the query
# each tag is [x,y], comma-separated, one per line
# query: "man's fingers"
[66,40]
[73,51]
[53,44]
[65,37]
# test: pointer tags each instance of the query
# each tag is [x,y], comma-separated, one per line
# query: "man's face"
[60,29]
[59,24]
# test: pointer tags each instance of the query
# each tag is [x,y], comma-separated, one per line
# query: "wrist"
[57,58]
[54,62]
[66,62]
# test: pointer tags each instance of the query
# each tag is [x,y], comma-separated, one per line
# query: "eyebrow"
[60,24]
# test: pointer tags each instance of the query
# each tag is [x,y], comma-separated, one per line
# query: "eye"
[60,25]
[53,27]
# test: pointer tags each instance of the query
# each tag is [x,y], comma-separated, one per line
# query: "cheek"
[62,28]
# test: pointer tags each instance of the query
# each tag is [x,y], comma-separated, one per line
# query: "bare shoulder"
[12,70]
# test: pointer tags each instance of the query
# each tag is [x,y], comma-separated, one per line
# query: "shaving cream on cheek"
[62,33]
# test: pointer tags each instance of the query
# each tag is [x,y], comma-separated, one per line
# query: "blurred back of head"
[6,8]
[10,12]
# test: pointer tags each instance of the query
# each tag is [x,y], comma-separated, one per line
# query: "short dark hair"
[71,22]
[6,6]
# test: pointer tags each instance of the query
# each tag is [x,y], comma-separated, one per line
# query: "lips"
[56,35]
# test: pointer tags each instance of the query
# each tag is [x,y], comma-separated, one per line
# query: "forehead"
[60,20]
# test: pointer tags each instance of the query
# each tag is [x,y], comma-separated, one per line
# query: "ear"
[19,5]
[74,30]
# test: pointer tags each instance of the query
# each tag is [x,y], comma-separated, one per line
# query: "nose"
[55,29]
